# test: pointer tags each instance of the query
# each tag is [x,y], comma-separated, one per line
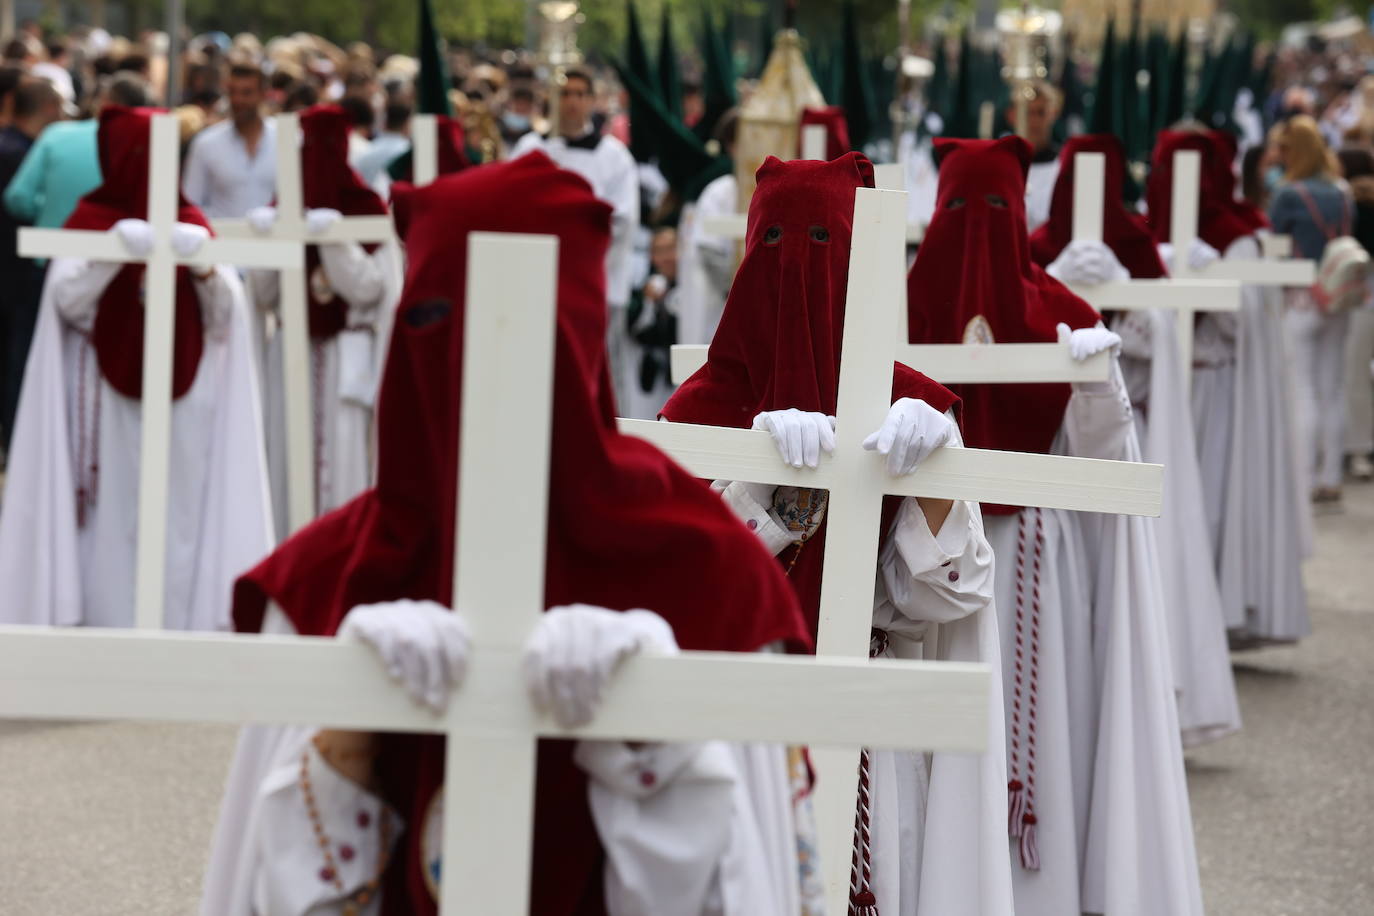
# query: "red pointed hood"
[1125,232]
[1221,218]
[329,182]
[124,139]
[831,117]
[778,343]
[973,281]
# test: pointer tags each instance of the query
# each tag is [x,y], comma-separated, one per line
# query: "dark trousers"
[21,289]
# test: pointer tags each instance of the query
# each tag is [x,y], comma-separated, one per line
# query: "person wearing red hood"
[68,528]
[351,291]
[1154,376]
[1098,804]
[327,822]
[933,834]
[1242,410]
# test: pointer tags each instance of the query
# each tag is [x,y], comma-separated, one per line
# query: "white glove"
[262,219]
[318,221]
[800,436]
[1201,255]
[1086,342]
[913,429]
[423,645]
[572,653]
[189,238]
[1084,263]
[137,236]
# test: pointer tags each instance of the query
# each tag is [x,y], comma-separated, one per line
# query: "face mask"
[1272,176]
[515,121]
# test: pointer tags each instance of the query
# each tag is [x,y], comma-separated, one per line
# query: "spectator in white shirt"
[55,71]
[230,166]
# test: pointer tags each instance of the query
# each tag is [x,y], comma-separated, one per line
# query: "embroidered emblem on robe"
[978,331]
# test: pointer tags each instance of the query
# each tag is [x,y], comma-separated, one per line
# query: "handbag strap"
[1316,215]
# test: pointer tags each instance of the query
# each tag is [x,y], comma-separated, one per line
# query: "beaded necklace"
[353,904]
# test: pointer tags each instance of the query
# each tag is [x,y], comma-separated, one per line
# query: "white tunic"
[611,171]
[939,822]
[1040,182]
[1207,706]
[218,518]
[345,372]
[1114,831]
[703,840]
[1259,518]
[705,262]
[922,179]
[614,177]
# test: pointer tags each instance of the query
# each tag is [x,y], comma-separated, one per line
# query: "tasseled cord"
[1030,850]
[862,901]
[863,904]
[1016,806]
[1021,819]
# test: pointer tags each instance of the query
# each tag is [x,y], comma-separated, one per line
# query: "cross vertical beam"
[156,434]
[498,591]
[876,274]
[1183,216]
[295,330]
[424,145]
[1090,178]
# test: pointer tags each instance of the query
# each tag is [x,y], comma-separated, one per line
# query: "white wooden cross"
[857,481]
[1181,294]
[290,234]
[491,726]
[1186,291]
[424,146]
[162,262]
[1184,228]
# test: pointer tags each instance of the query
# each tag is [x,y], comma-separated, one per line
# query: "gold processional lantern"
[770,121]
[1027,35]
[558,48]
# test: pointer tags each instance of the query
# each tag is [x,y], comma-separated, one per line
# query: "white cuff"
[755,516]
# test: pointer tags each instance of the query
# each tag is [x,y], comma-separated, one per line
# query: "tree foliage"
[391,24]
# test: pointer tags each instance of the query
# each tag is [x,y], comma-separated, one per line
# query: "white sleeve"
[757,517]
[663,813]
[622,193]
[354,274]
[216,293]
[195,174]
[77,285]
[528,142]
[1098,419]
[715,252]
[264,288]
[931,578]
